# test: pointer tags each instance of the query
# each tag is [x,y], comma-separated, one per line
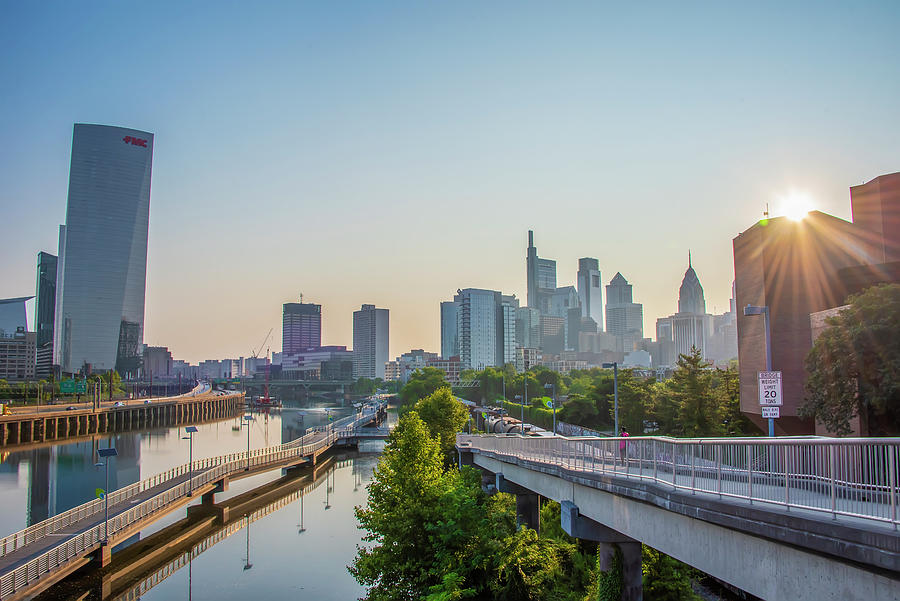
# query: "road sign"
[771,412]
[770,388]
[67,387]
[81,386]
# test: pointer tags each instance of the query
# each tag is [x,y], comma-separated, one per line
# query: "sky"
[391,153]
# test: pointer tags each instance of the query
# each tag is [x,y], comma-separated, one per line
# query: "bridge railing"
[855,477]
[211,470]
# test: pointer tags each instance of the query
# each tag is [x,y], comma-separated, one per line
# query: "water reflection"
[273,564]
[47,479]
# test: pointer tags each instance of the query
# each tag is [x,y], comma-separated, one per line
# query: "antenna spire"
[689,258]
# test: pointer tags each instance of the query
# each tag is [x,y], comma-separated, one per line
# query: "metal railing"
[855,477]
[173,487]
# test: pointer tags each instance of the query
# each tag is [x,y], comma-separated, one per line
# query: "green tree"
[444,416]
[854,365]
[422,382]
[665,578]
[699,413]
[532,567]
[364,386]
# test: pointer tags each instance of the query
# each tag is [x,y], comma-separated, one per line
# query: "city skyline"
[454,154]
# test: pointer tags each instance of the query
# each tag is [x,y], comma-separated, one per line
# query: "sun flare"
[795,205]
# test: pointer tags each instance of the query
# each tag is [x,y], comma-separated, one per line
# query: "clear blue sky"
[390,153]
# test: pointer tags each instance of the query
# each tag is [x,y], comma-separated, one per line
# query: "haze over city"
[392,154]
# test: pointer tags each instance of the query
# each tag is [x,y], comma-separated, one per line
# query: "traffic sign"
[771,412]
[81,386]
[67,387]
[770,388]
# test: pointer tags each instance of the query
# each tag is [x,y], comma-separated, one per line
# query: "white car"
[118,404]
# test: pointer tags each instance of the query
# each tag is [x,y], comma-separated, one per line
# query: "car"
[118,404]
[71,408]
[147,402]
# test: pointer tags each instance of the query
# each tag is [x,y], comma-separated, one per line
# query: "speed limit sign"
[770,388]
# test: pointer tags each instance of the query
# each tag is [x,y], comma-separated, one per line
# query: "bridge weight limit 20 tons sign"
[770,393]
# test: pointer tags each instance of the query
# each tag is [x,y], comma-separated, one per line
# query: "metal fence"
[173,486]
[856,477]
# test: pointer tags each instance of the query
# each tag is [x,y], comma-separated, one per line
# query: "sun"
[795,205]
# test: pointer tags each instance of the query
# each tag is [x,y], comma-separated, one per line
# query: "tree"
[444,416]
[854,365]
[421,383]
[698,413]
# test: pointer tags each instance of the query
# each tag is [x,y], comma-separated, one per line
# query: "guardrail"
[212,469]
[854,477]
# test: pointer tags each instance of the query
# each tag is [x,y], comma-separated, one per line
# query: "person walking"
[622,448]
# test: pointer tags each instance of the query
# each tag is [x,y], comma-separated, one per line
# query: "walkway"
[62,541]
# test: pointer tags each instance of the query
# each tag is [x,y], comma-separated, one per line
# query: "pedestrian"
[622,450]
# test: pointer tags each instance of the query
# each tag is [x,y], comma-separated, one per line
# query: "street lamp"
[190,430]
[764,311]
[615,367]
[246,422]
[106,453]
[552,388]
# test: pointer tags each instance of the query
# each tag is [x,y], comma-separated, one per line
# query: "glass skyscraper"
[103,251]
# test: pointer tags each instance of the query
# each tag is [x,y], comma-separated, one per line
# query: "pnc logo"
[135,141]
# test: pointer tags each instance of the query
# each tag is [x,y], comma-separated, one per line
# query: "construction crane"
[255,354]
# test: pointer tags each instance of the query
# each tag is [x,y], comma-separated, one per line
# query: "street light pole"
[615,368]
[246,422]
[764,311]
[106,454]
[191,430]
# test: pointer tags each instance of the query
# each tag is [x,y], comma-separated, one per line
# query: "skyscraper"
[449,329]
[541,275]
[45,298]
[623,317]
[486,324]
[370,341]
[301,327]
[103,251]
[690,295]
[45,312]
[590,292]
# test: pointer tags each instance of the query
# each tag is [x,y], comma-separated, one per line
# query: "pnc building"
[102,263]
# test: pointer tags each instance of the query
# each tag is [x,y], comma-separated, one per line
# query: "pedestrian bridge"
[42,554]
[780,518]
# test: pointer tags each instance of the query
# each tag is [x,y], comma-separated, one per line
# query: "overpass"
[42,554]
[33,425]
[780,518]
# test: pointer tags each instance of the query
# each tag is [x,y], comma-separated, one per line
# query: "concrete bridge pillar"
[528,503]
[576,525]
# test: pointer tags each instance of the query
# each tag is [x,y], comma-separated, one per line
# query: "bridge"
[42,554]
[780,518]
[35,425]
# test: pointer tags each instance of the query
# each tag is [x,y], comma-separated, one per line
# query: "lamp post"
[106,454]
[552,389]
[190,430]
[615,368]
[764,311]
[246,422]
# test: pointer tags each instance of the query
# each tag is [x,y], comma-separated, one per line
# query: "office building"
[540,275]
[449,329]
[590,293]
[797,268]
[17,355]
[528,327]
[409,362]
[450,366]
[301,327]
[690,327]
[103,253]
[323,362]
[157,363]
[486,327]
[45,312]
[623,316]
[370,341]
[12,315]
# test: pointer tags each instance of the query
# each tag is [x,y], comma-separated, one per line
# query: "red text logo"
[135,141]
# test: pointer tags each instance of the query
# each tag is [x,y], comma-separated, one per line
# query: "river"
[295,547]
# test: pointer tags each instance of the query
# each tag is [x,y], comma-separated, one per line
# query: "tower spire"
[689,258]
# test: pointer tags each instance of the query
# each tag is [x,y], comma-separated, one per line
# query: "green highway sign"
[81,386]
[67,387]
